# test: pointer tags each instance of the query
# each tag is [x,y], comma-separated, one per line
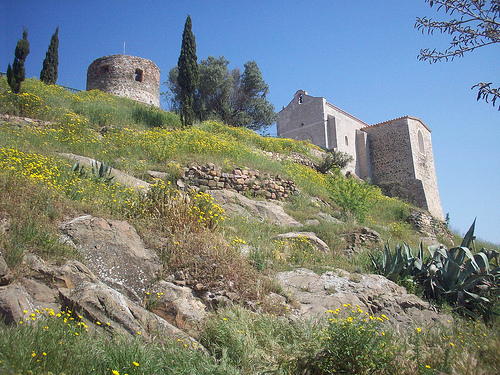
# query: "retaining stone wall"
[244,181]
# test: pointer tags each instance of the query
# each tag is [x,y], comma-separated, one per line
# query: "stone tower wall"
[127,76]
[423,161]
[402,162]
[390,152]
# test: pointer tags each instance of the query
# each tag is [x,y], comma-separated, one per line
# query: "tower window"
[139,75]
[346,139]
[103,69]
[300,99]
[421,147]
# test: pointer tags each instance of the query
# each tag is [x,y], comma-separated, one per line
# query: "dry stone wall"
[128,76]
[244,181]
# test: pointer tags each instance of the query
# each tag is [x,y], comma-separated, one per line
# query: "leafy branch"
[477,26]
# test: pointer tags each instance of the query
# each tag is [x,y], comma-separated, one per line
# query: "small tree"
[48,75]
[334,158]
[16,73]
[188,74]
[478,26]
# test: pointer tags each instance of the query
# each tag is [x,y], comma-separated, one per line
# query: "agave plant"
[463,279]
[102,171]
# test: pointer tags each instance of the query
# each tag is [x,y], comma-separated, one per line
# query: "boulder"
[14,300]
[311,236]
[179,305]
[111,310]
[114,252]
[6,275]
[373,294]
[121,177]
[237,204]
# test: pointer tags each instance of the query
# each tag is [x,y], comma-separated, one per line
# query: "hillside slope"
[108,222]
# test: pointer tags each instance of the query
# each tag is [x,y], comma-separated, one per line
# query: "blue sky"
[360,55]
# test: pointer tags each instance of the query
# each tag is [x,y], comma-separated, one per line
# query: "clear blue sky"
[360,55]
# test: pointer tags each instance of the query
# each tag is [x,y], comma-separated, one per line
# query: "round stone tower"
[128,76]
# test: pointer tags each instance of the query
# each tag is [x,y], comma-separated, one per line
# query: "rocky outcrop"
[362,238]
[74,287]
[114,252]
[5,273]
[179,305]
[237,204]
[314,294]
[430,227]
[313,239]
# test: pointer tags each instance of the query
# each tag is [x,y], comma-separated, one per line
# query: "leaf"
[469,236]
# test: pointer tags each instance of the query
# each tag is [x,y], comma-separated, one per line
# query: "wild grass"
[60,343]
[39,189]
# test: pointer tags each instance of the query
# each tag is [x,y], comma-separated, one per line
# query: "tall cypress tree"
[16,73]
[48,75]
[188,74]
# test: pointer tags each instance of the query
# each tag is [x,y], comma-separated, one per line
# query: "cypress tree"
[16,73]
[188,74]
[48,75]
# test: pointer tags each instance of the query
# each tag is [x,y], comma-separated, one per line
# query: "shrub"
[353,196]
[356,344]
[334,159]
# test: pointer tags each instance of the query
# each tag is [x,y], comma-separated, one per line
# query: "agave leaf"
[471,281]
[450,274]
[469,236]
[433,250]
[421,252]
[476,297]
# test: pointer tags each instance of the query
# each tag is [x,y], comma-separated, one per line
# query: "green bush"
[353,345]
[154,117]
[353,196]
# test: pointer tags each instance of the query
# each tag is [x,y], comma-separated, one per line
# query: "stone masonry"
[244,181]
[395,155]
[128,76]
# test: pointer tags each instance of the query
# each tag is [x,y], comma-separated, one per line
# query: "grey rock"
[237,204]
[329,218]
[312,222]
[6,275]
[115,253]
[311,236]
[178,305]
[373,294]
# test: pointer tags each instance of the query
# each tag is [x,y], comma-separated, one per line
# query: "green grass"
[39,190]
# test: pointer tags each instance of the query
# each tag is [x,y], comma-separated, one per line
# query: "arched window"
[346,139]
[300,99]
[421,147]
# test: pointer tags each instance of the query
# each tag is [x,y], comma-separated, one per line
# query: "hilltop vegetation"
[40,188]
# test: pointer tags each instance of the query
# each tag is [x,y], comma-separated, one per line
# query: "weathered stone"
[179,305]
[328,218]
[374,294]
[311,237]
[14,299]
[364,237]
[122,178]
[128,76]
[312,222]
[6,275]
[114,252]
[97,302]
[234,203]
